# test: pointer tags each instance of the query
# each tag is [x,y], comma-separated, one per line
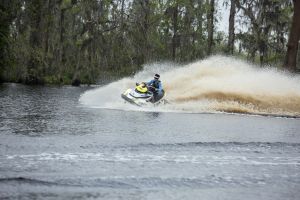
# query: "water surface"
[53,147]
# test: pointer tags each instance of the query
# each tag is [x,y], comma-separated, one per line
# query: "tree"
[8,10]
[76,41]
[294,37]
[231,35]
[210,25]
[34,70]
[172,13]
[4,32]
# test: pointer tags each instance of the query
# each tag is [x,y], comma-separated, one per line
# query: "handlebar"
[151,88]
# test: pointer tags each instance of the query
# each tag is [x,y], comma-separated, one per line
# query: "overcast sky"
[223,17]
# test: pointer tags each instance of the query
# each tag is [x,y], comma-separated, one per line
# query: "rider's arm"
[150,82]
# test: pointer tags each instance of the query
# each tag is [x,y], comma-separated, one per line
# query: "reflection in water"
[154,115]
[30,110]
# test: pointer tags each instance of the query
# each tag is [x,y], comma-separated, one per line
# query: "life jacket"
[155,83]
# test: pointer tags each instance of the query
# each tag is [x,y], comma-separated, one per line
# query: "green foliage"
[267,24]
[57,42]
[5,13]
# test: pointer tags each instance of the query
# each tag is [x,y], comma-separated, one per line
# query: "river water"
[54,147]
[86,143]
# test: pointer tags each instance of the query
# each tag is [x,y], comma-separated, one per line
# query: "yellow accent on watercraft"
[141,88]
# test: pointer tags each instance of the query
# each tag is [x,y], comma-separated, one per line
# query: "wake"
[216,84]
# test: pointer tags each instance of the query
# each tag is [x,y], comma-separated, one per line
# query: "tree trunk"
[146,13]
[199,17]
[62,36]
[48,25]
[231,35]
[175,28]
[34,10]
[292,46]
[210,26]
[122,16]
[47,16]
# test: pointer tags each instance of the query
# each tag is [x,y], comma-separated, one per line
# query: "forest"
[81,41]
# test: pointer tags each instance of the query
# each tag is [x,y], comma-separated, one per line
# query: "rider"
[156,84]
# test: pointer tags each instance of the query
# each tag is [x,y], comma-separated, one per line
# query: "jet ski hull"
[139,99]
[129,98]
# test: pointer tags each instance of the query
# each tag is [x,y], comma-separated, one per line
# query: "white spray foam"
[218,83]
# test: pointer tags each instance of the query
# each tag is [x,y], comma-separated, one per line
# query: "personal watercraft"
[143,95]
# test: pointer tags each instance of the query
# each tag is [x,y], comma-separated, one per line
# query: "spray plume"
[216,84]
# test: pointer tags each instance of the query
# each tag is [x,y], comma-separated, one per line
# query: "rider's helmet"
[156,76]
